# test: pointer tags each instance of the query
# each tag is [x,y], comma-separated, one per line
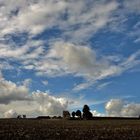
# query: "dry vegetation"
[33,129]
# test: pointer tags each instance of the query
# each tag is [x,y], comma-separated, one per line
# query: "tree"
[86,109]
[19,117]
[86,112]
[73,114]
[78,113]
[24,116]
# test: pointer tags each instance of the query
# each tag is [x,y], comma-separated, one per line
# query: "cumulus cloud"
[96,113]
[36,103]
[49,104]
[10,114]
[33,104]
[117,107]
[40,103]
[66,58]
[114,107]
[9,91]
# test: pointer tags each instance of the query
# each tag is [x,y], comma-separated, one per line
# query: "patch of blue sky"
[108,43]
[18,75]
[17,39]
[48,34]
[64,83]
[99,107]
[122,86]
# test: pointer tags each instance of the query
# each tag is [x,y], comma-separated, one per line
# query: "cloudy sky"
[58,55]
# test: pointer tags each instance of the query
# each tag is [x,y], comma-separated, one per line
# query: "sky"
[58,55]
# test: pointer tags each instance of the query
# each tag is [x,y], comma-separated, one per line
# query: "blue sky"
[59,55]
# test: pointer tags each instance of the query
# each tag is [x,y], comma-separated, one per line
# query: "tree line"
[85,115]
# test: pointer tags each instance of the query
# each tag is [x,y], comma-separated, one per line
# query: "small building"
[66,114]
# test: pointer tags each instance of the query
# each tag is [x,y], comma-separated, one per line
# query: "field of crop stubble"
[34,129]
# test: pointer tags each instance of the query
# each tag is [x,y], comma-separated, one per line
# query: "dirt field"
[31,129]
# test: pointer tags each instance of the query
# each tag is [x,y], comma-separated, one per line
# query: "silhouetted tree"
[86,112]
[24,116]
[86,109]
[78,113]
[19,117]
[73,114]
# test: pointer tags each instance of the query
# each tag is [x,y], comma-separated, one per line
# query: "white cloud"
[103,85]
[30,16]
[45,82]
[49,104]
[114,107]
[137,40]
[126,64]
[96,113]
[9,91]
[83,85]
[30,50]
[1,76]
[78,20]
[135,33]
[117,107]
[88,19]
[36,16]
[10,114]
[8,51]
[24,102]
[132,61]
[40,16]
[66,58]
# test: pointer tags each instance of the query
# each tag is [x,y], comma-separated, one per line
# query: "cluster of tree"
[21,116]
[85,115]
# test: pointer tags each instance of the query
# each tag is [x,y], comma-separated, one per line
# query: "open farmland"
[35,129]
